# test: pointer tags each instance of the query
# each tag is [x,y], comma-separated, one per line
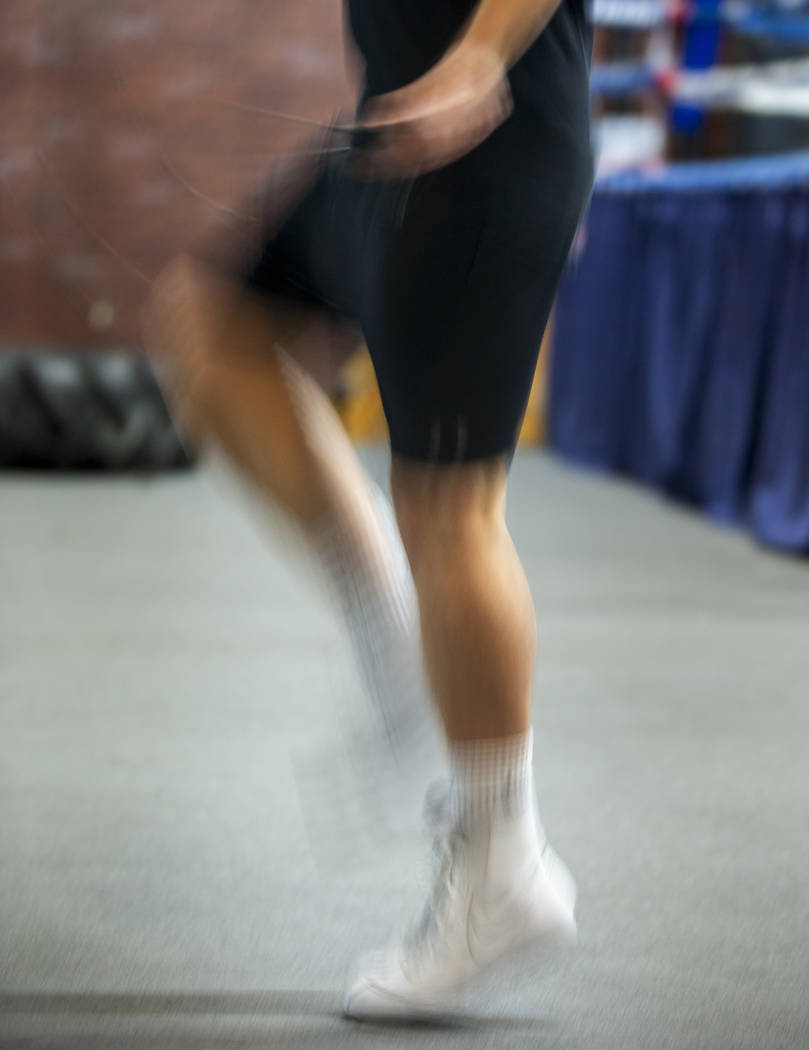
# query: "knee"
[176,320]
[178,276]
[173,289]
[446,513]
[184,295]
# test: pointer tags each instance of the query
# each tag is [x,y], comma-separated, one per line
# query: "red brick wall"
[113,130]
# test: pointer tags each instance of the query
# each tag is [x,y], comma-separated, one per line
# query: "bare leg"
[479,632]
[234,381]
[230,381]
[477,615]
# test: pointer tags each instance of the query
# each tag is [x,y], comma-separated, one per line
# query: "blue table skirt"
[681,340]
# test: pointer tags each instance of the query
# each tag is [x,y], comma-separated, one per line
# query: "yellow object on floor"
[360,407]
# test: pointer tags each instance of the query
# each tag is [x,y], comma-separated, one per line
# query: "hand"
[437,118]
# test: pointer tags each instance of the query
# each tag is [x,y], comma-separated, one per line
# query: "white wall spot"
[101,314]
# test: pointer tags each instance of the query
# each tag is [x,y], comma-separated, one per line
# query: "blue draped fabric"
[681,340]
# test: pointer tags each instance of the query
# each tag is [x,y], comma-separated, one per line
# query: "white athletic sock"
[380,609]
[491,779]
[492,800]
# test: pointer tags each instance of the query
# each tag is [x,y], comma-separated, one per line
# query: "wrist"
[478,50]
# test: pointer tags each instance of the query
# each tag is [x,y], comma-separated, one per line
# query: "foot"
[468,925]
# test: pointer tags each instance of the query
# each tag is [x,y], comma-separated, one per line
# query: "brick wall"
[117,147]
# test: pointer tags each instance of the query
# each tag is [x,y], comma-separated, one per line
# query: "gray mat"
[166,675]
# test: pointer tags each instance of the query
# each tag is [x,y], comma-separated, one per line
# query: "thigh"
[460,280]
[306,245]
[299,262]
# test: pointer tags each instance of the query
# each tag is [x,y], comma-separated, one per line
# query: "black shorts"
[451,277]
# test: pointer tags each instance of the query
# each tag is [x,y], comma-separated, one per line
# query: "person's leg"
[499,885]
[224,355]
[477,614]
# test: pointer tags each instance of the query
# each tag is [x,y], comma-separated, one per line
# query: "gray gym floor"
[170,684]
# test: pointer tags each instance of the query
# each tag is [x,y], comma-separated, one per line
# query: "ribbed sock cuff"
[491,779]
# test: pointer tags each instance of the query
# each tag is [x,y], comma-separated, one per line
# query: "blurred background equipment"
[80,411]
[701,79]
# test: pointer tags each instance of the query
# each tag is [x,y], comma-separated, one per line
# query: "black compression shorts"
[451,276]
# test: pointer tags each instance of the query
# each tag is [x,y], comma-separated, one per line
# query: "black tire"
[101,411]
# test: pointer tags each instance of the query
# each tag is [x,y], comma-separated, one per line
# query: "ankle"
[492,781]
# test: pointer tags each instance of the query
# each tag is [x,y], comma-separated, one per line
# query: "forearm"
[507,27]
